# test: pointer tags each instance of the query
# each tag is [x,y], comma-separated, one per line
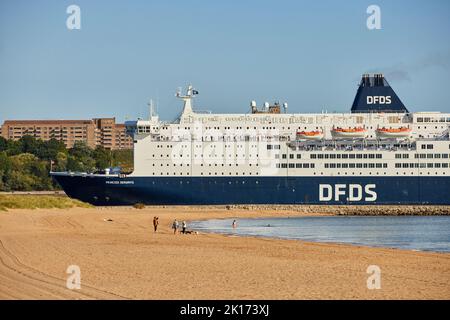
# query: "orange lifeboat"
[310,135]
[401,132]
[355,132]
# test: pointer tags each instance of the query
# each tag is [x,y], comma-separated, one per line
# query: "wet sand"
[125,259]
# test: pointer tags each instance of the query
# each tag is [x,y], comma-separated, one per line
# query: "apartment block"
[95,132]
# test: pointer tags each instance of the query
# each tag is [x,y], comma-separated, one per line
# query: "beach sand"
[125,259]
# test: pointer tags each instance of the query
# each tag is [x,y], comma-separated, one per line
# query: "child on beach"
[184,227]
[234,224]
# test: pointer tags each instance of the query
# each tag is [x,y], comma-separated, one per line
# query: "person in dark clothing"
[155,223]
[175,226]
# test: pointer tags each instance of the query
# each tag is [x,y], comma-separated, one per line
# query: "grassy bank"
[38,202]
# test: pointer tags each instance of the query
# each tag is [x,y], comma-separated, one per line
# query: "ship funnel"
[376,95]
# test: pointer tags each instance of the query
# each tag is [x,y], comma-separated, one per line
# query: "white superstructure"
[266,143]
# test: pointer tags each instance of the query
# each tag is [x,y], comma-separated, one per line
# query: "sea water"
[424,233]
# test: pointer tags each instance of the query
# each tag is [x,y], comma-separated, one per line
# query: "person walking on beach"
[175,226]
[234,224]
[184,227]
[155,222]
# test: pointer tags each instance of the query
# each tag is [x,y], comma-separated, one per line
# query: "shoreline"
[124,258]
[315,242]
[16,199]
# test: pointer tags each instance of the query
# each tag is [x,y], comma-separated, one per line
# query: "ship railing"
[212,138]
[385,145]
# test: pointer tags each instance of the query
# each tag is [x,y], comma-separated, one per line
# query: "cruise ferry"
[379,153]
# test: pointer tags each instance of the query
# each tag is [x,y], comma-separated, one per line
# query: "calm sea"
[430,233]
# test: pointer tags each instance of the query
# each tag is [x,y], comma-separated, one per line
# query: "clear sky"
[308,53]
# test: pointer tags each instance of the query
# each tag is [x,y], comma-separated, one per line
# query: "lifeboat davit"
[310,135]
[356,132]
[402,132]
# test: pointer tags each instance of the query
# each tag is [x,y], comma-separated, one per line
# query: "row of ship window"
[210,174]
[213,146]
[295,165]
[376,156]
[346,156]
[431,156]
[429,119]
[213,155]
[421,165]
[355,165]
[210,165]
[333,156]
[315,173]
[338,156]
[362,165]
[423,156]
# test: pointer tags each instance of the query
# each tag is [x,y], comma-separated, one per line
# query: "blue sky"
[308,53]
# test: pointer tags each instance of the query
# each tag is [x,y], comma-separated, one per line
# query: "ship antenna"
[150,104]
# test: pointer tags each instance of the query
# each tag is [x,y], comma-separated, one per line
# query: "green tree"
[25,163]
[80,150]
[14,147]
[21,177]
[102,157]
[3,144]
[5,169]
[20,181]
[123,159]
[80,158]
[28,173]
[61,162]
[5,162]
[49,150]
[29,144]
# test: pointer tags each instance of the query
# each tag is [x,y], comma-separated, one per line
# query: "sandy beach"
[125,259]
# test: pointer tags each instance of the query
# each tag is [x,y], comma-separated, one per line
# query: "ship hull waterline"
[325,190]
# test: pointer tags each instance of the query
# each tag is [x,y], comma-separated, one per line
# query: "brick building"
[96,132]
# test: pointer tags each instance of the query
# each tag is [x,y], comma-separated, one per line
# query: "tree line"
[25,163]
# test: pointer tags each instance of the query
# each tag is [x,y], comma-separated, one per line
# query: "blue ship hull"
[112,190]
